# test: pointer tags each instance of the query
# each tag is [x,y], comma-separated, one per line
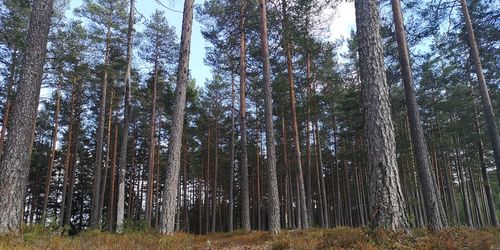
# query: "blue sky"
[199,70]
[342,23]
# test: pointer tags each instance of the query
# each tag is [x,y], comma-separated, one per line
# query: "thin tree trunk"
[94,216]
[52,154]
[463,185]
[72,172]
[14,168]
[216,166]
[67,163]
[111,215]
[321,174]
[298,157]
[386,198]
[108,149]
[245,199]
[308,141]
[152,134]
[484,174]
[185,185]
[231,172]
[483,90]
[126,120]
[432,199]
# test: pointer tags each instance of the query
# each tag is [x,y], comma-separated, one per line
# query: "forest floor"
[338,238]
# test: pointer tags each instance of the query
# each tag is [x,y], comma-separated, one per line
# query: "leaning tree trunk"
[94,215]
[387,206]
[483,90]
[432,199]
[15,165]
[174,152]
[120,211]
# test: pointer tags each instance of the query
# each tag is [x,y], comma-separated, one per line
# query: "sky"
[342,23]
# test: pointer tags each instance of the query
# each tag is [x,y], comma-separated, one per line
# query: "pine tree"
[14,165]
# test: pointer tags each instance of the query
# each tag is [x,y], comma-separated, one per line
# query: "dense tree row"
[392,127]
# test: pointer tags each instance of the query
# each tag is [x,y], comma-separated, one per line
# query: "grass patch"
[336,238]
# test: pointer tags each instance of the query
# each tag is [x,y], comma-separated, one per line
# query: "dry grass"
[338,238]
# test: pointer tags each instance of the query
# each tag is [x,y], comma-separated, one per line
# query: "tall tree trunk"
[216,166]
[14,168]
[152,134]
[72,172]
[463,184]
[308,140]
[67,161]
[432,198]
[108,149]
[386,199]
[321,174]
[288,191]
[298,156]
[258,176]
[185,185]
[52,154]
[484,174]
[483,90]
[172,177]
[245,197]
[207,185]
[111,211]
[231,172]
[126,120]
[338,205]
[94,216]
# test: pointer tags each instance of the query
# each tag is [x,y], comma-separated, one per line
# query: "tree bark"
[483,90]
[386,199]
[172,177]
[126,120]
[14,168]
[432,198]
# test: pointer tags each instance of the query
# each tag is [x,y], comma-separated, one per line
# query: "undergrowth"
[141,237]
